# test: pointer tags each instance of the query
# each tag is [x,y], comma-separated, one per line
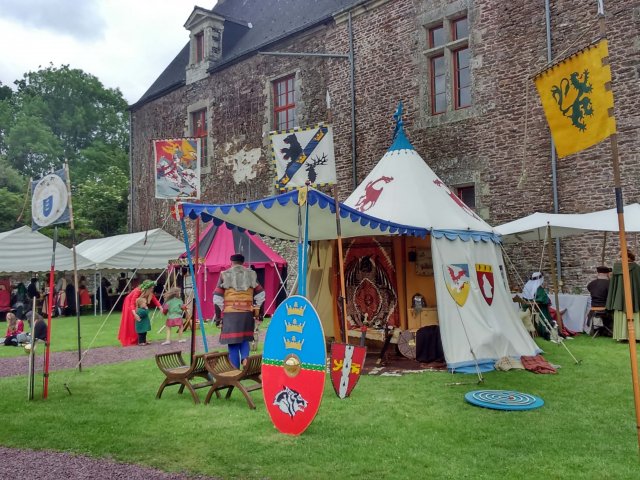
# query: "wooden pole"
[343,289]
[626,280]
[52,271]
[555,281]
[604,247]
[75,264]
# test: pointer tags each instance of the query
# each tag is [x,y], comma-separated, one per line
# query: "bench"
[226,376]
[177,372]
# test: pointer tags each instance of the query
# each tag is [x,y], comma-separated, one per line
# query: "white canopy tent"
[534,226]
[24,251]
[148,250]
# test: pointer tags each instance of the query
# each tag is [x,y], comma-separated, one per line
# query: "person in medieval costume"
[615,299]
[127,332]
[237,292]
[535,293]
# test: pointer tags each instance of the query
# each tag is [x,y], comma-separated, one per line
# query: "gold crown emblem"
[295,309]
[293,343]
[294,326]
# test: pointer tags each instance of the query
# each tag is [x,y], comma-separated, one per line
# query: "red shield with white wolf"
[484,274]
[347,362]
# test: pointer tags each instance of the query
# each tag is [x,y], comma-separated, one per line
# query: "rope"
[87,350]
[541,318]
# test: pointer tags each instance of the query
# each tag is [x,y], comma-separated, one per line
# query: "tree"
[102,201]
[12,196]
[60,114]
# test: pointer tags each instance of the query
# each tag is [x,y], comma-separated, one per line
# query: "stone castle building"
[463,70]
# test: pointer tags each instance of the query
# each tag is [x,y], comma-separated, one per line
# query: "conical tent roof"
[403,189]
[218,243]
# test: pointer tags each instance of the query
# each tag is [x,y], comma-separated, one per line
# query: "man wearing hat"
[599,288]
[237,292]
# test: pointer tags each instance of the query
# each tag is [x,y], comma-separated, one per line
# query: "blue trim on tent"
[466,235]
[485,364]
[208,212]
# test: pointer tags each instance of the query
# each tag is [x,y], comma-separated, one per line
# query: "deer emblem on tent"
[371,194]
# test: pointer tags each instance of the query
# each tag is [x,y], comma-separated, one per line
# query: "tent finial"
[397,116]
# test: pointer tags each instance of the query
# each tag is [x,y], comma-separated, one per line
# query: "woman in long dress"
[127,333]
[616,300]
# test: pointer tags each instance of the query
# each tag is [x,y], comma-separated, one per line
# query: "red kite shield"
[484,273]
[346,365]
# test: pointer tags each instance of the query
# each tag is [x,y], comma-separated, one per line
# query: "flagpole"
[75,263]
[626,280]
[194,312]
[196,298]
[45,391]
[555,284]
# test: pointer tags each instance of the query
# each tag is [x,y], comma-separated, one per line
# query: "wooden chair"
[225,375]
[597,313]
[177,372]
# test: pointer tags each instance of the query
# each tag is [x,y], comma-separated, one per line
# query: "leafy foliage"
[59,114]
[102,200]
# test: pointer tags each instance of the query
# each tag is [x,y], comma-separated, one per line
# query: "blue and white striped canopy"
[277,217]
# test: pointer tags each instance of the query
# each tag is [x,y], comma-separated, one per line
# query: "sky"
[126,44]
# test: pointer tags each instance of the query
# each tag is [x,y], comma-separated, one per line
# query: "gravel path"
[49,465]
[99,356]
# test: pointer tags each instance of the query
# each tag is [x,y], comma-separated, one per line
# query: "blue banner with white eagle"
[303,154]
[49,200]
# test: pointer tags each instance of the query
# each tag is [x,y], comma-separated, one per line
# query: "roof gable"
[249,25]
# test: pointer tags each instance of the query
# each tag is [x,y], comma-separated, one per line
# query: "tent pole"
[45,390]
[604,247]
[343,292]
[195,287]
[555,281]
[194,317]
[75,264]
[626,278]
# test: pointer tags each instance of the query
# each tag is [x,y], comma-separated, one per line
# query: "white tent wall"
[491,331]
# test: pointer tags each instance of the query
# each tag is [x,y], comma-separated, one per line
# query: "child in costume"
[173,309]
[143,324]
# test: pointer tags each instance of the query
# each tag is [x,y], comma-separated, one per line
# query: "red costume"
[127,333]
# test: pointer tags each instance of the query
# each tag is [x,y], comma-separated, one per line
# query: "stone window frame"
[448,51]
[458,191]
[207,147]
[428,19]
[270,87]
[198,47]
[288,107]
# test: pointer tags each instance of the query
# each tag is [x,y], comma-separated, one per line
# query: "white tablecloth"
[577,306]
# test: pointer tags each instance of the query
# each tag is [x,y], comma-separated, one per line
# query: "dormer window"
[199,47]
[205,44]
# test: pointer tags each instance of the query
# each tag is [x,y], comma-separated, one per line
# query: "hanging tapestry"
[177,168]
[370,279]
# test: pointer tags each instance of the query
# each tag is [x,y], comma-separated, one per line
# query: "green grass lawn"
[415,426]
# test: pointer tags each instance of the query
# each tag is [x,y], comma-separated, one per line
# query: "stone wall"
[500,144]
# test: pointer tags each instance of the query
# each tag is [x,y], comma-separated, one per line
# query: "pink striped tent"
[217,244]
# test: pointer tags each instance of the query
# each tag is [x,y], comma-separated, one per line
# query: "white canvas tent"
[148,250]
[466,255]
[534,226]
[24,251]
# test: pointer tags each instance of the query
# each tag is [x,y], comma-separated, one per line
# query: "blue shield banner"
[49,200]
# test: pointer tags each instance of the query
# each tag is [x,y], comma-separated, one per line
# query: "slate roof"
[270,20]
